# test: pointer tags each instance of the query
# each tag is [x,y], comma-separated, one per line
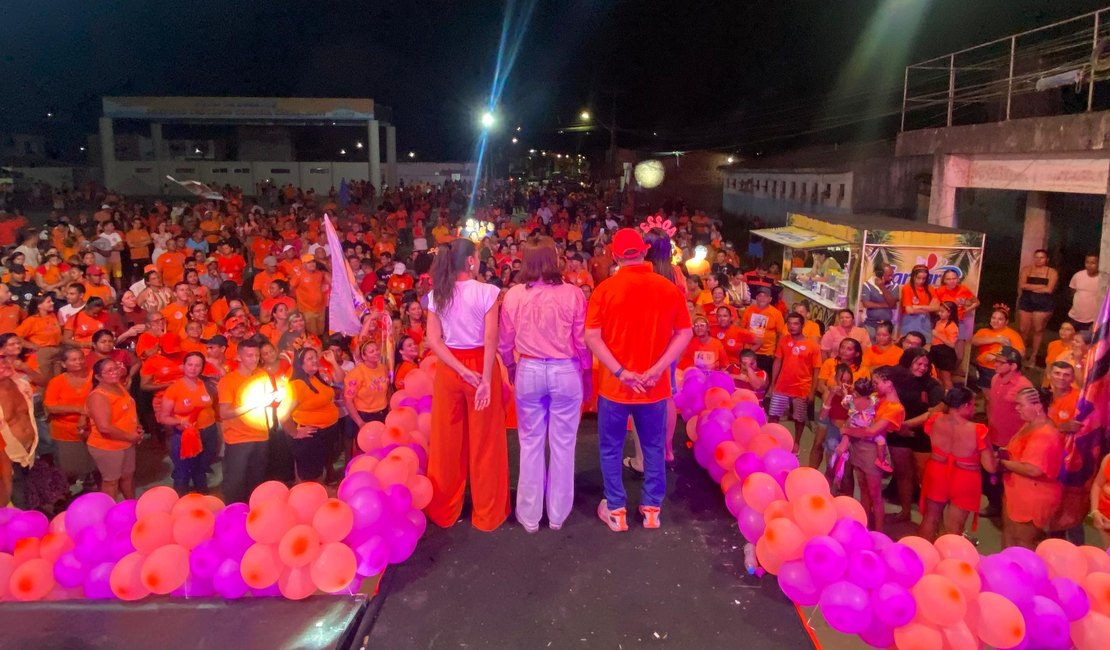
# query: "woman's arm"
[1024,469]
[1023,275]
[877,428]
[349,401]
[988,460]
[1053,279]
[489,357]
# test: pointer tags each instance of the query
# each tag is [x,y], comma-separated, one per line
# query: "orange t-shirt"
[983,352]
[193,404]
[309,290]
[260,250]
[893,412]
[124,416]
[367,387]
[232,266]
[171,264]
[217,313]
[102,291]
[1035,499]
[262,280]
[10,316]
[874,357]
[943,294]
[134,238]
[161,370]
[176,317]
[636,336]
[43,331]
[230,389]
[578,278]
[799,360]
[1063,409]
[768,323]
[913,296]
[81,327]
[313,409]
[399,284]
[402,370]
[59,392]
[710,355]
[735,340]
[828,367]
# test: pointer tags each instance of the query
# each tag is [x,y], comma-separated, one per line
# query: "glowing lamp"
[698,265]
[260,394]
[649,174]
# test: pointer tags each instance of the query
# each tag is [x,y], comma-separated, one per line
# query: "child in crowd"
[834,415]
[860,405]
[946,332]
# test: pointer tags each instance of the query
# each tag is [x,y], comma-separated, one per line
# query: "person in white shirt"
[75,302]
[30,249]
[1085,298]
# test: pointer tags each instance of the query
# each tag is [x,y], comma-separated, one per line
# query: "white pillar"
[1034,234]
[108,152]
[391,155]
[374,146]
[156,139]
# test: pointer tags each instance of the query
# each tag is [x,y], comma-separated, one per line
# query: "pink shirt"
[1003,420]
[830,342]
[546,321]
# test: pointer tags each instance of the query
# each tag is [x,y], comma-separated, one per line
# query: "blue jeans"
[193,471]
[612,428]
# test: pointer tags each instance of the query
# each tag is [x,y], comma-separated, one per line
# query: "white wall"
[830,190]
[53,176]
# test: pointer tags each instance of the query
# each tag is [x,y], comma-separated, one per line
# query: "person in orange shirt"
[635,343]
[311,289]
[262,279]
[138,244]
[703,351]
[989,341]
[177,312]
[64,404]
[1031,464]
[1057,349]
[80,327]
[160,370]
[889,416]
[400,282]
[262,247]
[794,376]
[193,341]
[10,312]
[313,421]
[231,264]
[366,391]
[114,430]
[187,405]
[245,423]
[210,226]
[575,274]
[734,339]
[171,264]
[96,287]
[766,324]
[882,351]
[278,294]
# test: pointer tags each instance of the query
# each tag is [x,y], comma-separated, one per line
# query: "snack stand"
[856,242]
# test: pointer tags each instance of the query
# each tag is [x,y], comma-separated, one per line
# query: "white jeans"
[548,410]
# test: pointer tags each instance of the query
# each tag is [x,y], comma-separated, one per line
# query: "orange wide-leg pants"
[467,441]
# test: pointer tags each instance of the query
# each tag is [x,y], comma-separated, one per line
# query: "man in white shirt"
[1085,298]
[545,214]
[30,248]
[75,302]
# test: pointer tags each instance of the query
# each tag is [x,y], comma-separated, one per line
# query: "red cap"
[95,270]
[234,322]
[627,243]
[170,343]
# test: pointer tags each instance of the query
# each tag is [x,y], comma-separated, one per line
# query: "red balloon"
[334,570]
[31,580]
[160,498]
[333,520]
[152,531]
[270,520]
[300,546]
[166,569]
[193,527]
[305,499]
[261,567]
[295,583]
[126,579]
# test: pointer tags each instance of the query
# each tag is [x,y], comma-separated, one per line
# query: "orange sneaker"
[616,520]
[651,516]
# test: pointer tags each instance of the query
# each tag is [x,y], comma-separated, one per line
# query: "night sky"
[727,74]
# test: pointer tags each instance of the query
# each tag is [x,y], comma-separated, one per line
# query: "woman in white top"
[468,415]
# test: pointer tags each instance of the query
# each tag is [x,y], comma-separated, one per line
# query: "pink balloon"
[924,549]
[300,546]
[796,581]
[780,435]
[744,428]
[268,491]
[751,524]
[160,498]
[1064,560]
[296,583]
[165,569]
[826,559]
[421,489]
[334,570]
[305,499]
[760,489]
[957,547]
[849,508]
[805,480]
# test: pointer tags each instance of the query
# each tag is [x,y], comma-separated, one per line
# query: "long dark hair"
[449,263]
[911,355]
[859,351]
[659,252]
[913,274]
[98,369]
[397,359]
[540,262]
[299,372]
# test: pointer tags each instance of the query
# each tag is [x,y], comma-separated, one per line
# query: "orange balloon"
[395,401]
[1063,558]
[418,384]
[193,527]
[779,433]
[269,491]
[214,504]
[261,566]
[958,636]
[160,498]
[1097,586]
[305,499]
[760,489]
[806,480]
[962,573]
[1097,559]
[815,514]
[58,523]
[391,471]
[848,507]
[333,520]
[27,548]
[717,397]
[744,429]
[725,454]
[770,562]
[126,579]
[784,538]
[409,457]
[728,480]
[152,531]
[958,547]
[165,569]
[53,545]
[421,489]
[31,580]
[300,546]
[403,418]
[924,550]
[363,463]
[998,621]
[429,364]
[188,502]
[418,436]
[692,429]
[939,600]
[424,424]
[1091,631]
[370,435]
[761,444]
[743,395]
[334,570]
[778,509]
[295,583]
[269,521]
[395,436]
[917,635]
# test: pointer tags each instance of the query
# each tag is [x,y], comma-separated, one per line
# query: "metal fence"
[1052,70]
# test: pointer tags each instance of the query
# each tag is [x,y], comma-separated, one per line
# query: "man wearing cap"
[22,290]
[400,282]
[96,287]
[289,264]
[216,360]
[637,325]
[262,279]
[235,330]
[310,288]
[1003,420]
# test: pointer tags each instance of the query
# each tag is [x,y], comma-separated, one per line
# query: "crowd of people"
[201,328]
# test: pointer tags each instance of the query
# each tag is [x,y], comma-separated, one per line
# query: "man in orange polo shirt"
[96,287]
[734,339]
[246,436]
[635,342]
[177,312]
[794,376]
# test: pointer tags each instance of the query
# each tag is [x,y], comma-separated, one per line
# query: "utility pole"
[613,93]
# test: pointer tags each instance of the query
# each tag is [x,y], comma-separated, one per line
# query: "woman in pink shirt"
[845,327]
[543,321]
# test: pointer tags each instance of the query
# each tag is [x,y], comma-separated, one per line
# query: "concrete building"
[254,142]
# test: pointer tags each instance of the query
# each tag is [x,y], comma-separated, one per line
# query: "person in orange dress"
[187,410]
[64,404]
[883,351]
[313,422]
[1031,464]
[114,430]
[952,485]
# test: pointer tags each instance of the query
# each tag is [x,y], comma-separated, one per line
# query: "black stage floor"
[683,585]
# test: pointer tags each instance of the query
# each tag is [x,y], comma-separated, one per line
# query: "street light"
[585,115]
[412,154]
[515,141]
[487,120]
[358,145]
[731,160]
[342,152]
